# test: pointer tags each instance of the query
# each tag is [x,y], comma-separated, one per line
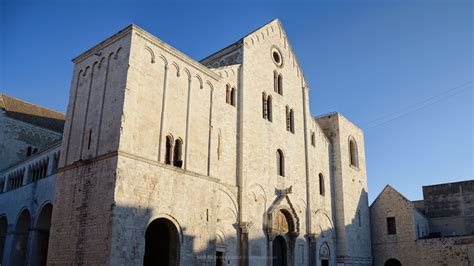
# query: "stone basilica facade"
[165,160]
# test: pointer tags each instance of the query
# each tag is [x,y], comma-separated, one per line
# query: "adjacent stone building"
[433,231]
[30,142]
[167,160]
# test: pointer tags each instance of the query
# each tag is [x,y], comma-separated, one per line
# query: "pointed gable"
[389,194]
[275,29]
[233,54]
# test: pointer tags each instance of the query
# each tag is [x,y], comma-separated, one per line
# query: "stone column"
[271,236]
[7,249]
[311,238]
[244,238]
[162,115]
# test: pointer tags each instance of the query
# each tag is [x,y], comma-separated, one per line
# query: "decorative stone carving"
[245,227]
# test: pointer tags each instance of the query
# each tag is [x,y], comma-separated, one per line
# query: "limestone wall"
[410,244]
[31,197]
[132,91]
[350,190]
[93,124]
[84,194]
[262,138]
[450,207]
[427,252]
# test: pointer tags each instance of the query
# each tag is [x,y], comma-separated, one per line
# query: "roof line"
[30,103]
[237,43]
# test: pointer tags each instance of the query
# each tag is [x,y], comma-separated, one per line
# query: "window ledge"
[354,167]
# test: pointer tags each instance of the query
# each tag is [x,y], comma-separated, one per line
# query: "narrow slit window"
[280,84]
[177,160]
[169,144]
[321,185]
[90,137]
[269,108]
[292,121]
[232,97]
[280,163]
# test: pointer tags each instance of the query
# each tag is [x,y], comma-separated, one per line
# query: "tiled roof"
[32,113]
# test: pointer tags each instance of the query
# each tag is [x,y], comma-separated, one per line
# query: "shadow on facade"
[25,241]
[162,239]
[55,124]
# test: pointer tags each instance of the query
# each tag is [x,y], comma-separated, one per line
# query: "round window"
[276,56]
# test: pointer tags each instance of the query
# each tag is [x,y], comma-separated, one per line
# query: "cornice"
[173,51]
[104,44]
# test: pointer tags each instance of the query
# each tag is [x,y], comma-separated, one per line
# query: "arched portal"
[20,239]
[393,262]
[41,237]
[3,235]
[161,243]
[282,236]
[279,251]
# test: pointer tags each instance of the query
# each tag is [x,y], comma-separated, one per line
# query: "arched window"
[321,185]
[292,121]
[169,145]
[288,122]
[280,163]
[354,158]
[29,151]
[275,81]
[232,96]
[264,105]
[177,159]
[280,84]
[269,108]
[313,139]
[227,93]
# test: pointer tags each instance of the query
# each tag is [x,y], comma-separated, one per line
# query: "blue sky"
[365,59]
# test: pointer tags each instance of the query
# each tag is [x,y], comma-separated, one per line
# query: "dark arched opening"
[393,262]
[177,153]
[20,239]
[279,251]
[280,163]
[232,97]
[169,144]
[280,84]
[353,153]
[161,243]
[3,236]
[321,185]
[41,239]
[269,108]
[292,121]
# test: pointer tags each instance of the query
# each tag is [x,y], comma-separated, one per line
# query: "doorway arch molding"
[282,204]
[172,219]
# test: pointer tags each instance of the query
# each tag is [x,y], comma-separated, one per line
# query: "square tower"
[350,189]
